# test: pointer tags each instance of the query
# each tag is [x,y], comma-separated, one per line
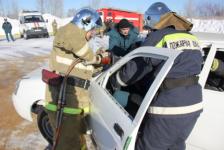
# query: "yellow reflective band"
[215,65]
[160,44]
[194,42]
[72,111]
[66,110]
[86,110]
[175,110]
[83,147]
[176,36]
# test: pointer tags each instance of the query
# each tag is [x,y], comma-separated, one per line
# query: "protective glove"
[95,61]
[105,57]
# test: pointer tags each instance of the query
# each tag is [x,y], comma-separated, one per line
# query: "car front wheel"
[45,126]
[25,36]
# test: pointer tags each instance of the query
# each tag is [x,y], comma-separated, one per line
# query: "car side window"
[131,96]
[215,81]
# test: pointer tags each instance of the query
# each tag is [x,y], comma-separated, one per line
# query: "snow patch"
[25,48]
[27,142]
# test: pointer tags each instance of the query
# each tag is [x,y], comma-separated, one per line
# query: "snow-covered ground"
[24,48]
[21,141]
[208,25]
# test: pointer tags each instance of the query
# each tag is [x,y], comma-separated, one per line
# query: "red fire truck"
[117,14]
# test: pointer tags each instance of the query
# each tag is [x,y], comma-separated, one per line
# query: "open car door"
[208,133]
[113,127]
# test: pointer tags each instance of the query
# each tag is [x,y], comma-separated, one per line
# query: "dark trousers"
[7,34]
[165,133]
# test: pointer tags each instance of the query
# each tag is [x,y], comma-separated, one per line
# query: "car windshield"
[33,18]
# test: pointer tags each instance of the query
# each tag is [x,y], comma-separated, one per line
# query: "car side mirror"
[46,21]
[20,22]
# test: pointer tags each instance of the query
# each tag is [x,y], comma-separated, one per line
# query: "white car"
[114,127]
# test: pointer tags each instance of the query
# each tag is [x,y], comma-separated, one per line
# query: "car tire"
[44,126]
[46,36]
[25,36]
[21,35]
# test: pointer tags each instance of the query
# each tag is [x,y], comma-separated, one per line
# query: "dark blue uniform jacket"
[187,64]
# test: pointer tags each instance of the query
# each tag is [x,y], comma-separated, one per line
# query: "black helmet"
[154,12]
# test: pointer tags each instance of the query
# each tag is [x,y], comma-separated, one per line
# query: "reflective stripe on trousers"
[67,110]
[175,110]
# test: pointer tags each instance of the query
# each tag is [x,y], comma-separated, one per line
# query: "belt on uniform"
[79,82]
[171,83]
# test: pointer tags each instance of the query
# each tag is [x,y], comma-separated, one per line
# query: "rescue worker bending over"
[175,110]
[70,43]
[122,38]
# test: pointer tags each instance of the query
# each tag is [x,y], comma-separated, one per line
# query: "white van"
[32,24]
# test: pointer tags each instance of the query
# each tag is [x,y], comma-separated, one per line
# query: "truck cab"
[115,15]
[32,24]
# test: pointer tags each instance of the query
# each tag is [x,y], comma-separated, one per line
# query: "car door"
[208,133]
[112,126]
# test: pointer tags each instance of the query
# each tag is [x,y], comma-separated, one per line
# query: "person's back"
[174,110]
[180,90]
[122,38]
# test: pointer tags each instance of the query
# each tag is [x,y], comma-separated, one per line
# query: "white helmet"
[87,19]
[154,12]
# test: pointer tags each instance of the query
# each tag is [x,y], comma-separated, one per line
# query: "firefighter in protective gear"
[54,27]
[174,111]
[70,43]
